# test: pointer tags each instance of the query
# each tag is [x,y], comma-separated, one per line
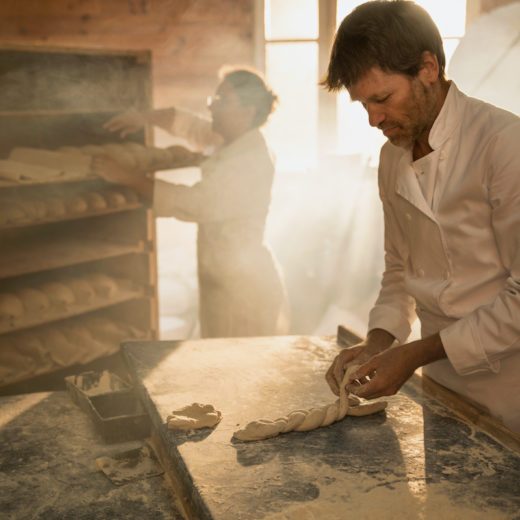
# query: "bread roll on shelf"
[55,207]
[95,201]
[34,300]
[103,285]
[11,307]
[82,289]
[75,204]
[59,294]
[12,213]
[57,345]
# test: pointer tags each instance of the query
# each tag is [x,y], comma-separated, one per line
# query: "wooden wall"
[190,39]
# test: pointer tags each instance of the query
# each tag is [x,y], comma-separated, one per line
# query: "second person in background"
[241,290]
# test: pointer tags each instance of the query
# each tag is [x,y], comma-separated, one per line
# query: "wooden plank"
[468,410]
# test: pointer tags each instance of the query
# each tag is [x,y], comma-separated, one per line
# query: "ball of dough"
[11,213]
[31,346]
[58,346]
[106,331]
[34,209]
[80,340]
[13,364]
[59,294]
[33,300]
[11,307]
[83,291]
[95,200]
[130,195]
[103,285]
[115,199]
[76,204]
[55,207]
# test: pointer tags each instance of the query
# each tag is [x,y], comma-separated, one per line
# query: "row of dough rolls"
[54,296]
[51,347]
[31,210]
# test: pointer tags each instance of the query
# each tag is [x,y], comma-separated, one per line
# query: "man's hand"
[126,123]
[386,372]
[376,341]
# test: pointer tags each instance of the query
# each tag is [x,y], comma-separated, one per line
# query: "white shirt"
[456,258]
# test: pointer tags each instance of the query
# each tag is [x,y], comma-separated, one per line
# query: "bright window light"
[291,19]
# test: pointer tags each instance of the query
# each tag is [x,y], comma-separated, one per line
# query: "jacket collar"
[407,185]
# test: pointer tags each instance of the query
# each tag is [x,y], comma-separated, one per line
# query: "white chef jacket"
[241,290]
[456,261]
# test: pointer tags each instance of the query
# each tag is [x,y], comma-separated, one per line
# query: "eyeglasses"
[213,100]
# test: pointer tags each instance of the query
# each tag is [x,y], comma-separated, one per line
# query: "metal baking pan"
[112,405]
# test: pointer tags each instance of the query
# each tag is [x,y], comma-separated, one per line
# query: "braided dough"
[305,420]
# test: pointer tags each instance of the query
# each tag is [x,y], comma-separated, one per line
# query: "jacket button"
[408,216]
[446,274]
[420,273]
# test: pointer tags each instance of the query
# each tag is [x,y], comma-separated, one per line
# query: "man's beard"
[418,119]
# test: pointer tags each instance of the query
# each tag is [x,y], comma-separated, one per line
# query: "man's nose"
[375,115]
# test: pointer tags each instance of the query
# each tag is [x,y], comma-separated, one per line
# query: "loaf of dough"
[13,364]
[305,420]
[32,348]
[95,200]
[80,340]
[34,301]
[83,291]
[55,207]
[34,209]
[103,285]
[76,204]
[12,213]
[58,293]
[58,346]
[114,198]
[11,307]
[106,331]
[194,416]
[18,171]
[70,165]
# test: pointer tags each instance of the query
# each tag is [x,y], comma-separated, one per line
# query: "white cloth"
[457,260]
[241,291]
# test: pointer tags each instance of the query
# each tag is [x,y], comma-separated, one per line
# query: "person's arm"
[113,172]
[385,373]
[194,129]
[393,312]
[237,186]
[132,120]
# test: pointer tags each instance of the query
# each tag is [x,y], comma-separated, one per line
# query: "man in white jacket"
[449,180]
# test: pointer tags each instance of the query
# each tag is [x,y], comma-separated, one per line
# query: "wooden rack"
[56,97]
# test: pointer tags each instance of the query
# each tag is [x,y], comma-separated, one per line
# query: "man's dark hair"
[251,89]
[391,34]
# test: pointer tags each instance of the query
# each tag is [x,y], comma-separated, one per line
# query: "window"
[309,121]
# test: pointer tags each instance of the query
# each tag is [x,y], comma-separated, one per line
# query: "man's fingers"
[331,379]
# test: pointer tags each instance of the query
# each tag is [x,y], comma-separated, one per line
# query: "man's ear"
[429,71]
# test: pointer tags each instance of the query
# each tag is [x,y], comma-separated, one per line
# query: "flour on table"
[194,416]
[305,420]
